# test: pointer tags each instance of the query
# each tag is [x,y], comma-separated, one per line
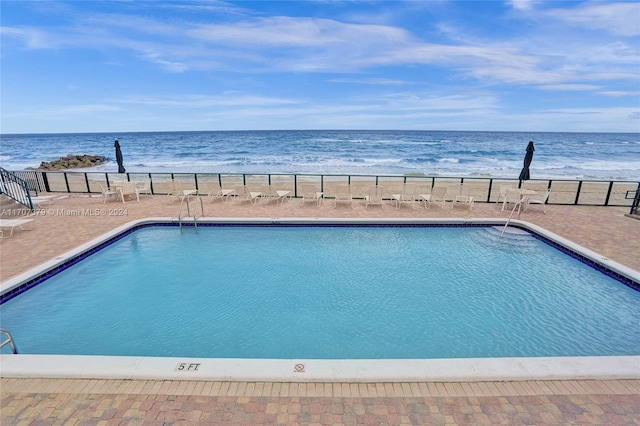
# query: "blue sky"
[116,66]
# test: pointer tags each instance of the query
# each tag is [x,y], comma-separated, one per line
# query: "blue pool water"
[327,293]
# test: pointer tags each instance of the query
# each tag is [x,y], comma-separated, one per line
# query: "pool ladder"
[8,341]
[518,206]
[185,201]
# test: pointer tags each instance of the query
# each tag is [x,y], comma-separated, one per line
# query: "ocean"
[597,156]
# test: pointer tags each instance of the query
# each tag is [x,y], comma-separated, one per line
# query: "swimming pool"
[327,293]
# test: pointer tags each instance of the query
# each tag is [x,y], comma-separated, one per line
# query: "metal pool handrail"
[16,188]
[185,201]
[8,341]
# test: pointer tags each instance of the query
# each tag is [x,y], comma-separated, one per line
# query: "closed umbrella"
[121,168]
[524,174]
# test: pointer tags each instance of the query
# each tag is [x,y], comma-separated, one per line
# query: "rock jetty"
[73,162]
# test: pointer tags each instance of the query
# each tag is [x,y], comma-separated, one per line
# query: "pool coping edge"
[319,370]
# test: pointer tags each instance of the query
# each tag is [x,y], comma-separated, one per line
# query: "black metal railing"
[15,188]
[483,189]
[635,196]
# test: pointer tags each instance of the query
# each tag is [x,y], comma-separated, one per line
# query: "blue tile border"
[75,259]
[599,267]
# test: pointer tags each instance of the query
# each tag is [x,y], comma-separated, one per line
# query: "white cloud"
[52,112]
[621,19]
[569,87]
[285,31]
[522,5]
[202,101]
[371,81]
[294,44]
[31,37]
[590,49]
[619,93]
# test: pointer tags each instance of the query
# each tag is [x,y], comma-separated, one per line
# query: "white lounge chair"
[214,191]
[503,192]
[512,196]
[406,196]
[144,187]
[268,193]
[463,196]
[247,194]
[438,195]
[128,189]
[106,192]
[45,200]
[423,195]
[176,190]
[12,224]
[310,194]
[282,195]
[375,196]
[210,190]
[535,200]
[343,195]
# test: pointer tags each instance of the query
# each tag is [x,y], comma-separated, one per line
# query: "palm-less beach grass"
[77,218]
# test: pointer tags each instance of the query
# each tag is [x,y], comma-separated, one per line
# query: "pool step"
[511,238]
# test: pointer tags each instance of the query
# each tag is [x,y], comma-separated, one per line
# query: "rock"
[72,162]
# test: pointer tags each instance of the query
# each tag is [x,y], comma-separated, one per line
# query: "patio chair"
[538,201]
[406,196]
[144,187]
[44,201]
[463,196]
[174,188]
[282,195]
[343,195]
[128,189]
[106,192]
[310,194]
[503,192]
[214,191]
[374,197]
[512,196]
[244,193]
[423,195]
[12,224]
[268,193]
[438,195]
[210,190]
[177,191]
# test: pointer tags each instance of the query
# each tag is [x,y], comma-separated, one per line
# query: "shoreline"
[110,167]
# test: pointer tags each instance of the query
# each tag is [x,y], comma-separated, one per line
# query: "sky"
[518,65]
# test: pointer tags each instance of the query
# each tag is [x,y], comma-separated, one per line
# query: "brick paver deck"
[74,220]
[122,402]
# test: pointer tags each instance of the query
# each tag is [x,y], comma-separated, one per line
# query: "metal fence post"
[578,193]
[66,182]
[606,200]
